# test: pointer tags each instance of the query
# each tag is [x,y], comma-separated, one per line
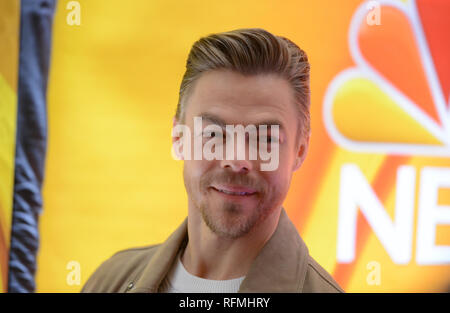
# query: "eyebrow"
[218,121]
[213,119]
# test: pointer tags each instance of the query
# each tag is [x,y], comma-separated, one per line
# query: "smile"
[235,191]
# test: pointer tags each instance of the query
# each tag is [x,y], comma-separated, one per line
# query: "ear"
[177,141]
[301,152]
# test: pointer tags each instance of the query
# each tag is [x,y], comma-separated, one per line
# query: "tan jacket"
[283,265]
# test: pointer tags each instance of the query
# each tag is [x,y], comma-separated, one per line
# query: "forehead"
[240,99]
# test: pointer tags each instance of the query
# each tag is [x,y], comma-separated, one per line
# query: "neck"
[210,256]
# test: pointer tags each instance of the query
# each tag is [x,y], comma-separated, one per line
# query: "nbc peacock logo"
[396,99]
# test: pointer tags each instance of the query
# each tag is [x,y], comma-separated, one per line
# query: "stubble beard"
[227,219]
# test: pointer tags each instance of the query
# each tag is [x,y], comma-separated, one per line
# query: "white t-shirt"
[179,280]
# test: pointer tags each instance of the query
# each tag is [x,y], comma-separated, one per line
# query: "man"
[237,236]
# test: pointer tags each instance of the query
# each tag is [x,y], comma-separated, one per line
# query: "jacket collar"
[280,266]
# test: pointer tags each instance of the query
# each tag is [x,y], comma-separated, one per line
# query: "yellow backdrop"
[111,182]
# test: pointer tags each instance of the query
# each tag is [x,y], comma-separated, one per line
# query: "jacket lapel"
[161,262]
[281,264]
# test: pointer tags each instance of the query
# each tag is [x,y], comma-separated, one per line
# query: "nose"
[237,166]
[234,160]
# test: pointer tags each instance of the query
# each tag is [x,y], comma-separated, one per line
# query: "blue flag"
[36,19]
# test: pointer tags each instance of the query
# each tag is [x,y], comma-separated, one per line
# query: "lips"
[234,190]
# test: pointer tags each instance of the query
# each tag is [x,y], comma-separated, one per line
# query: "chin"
[230,220]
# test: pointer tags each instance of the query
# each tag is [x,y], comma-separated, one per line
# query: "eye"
[268,139]
[211,134]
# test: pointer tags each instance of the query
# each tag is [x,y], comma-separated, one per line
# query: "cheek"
[192,170]
[195,169]
[279,180]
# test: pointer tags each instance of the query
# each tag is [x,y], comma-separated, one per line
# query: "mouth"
[235,191]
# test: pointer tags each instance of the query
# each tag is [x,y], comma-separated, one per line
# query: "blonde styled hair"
[249,51]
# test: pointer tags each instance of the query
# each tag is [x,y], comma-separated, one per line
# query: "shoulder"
[318,279]
[114,273]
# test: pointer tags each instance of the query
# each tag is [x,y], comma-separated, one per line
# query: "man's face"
[233,196]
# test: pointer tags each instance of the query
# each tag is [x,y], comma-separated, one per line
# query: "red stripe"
[305,188]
